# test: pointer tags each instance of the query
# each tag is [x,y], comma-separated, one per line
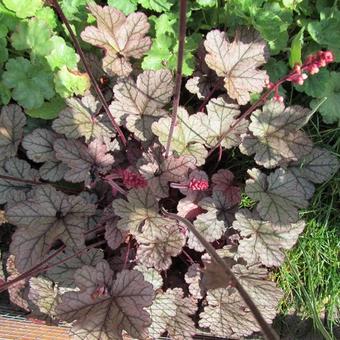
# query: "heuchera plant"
[134,227]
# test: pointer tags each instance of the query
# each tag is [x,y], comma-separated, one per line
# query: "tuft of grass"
[310,276]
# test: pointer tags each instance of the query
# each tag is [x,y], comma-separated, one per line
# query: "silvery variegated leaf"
[238,61]
[121,37]
[105,307]
[279,195]
[264,241]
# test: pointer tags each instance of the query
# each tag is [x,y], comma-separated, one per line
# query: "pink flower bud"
[198,184]
[328,56]
[132,180]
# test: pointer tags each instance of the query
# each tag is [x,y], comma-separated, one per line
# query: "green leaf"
[127,6]
[317,85]
[326,32]
[68,83]
[47,14]
[156,5]
[5,94]
[48,110]
[329,110]
[31,83]
[23,8]
[295,49]
[33,35]
[75,10]
[3,51]
[207,3]
[61,54]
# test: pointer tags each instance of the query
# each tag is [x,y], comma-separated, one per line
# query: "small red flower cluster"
[198,184]
[312,65]
[132,180]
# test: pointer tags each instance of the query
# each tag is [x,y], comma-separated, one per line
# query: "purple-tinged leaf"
[264,241]
[139,104]
[121,37]
[44,218]
[238,62]
[12,121]
[104,307]
[15,191]
[76,120]
[279,195]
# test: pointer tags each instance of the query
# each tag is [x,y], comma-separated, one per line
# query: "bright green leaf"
[23,8]
[157,5]
[47,14]
[31,83]
[33,35]
[295,49]
[68,83]
[127,6]
[61,54]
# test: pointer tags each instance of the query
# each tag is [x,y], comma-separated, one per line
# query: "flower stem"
[178,81]
[268,332]
[57,8]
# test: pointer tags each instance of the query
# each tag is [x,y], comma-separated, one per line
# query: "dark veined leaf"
[12,190]
[83,161]
[138,104]
[47,216]
[121,37]
[238,62]
[264,241]
[77,121]
[156,249]
[171,312]
[12,121]
[151,275]
[275,136]
[279,195]
[63,273]
[104,307]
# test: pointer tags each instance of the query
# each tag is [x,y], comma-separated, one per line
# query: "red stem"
[178,82]
[207,98]
[96,87]
[248,112]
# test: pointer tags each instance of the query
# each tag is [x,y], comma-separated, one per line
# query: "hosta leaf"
[47,216]
[15,191]
[155,250]
[223,181]
[76,120]
[104,316]
[44,295]
[63,273]
[264,241]
[209,226]
[39,145]
[159,171]
[188,133]
[238,62]
[139,211]
[171,312]
[83,161]
[275,134]
[138,105]
[279,195]
[12,121]
[221,115]
[151,275]
[121,37]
